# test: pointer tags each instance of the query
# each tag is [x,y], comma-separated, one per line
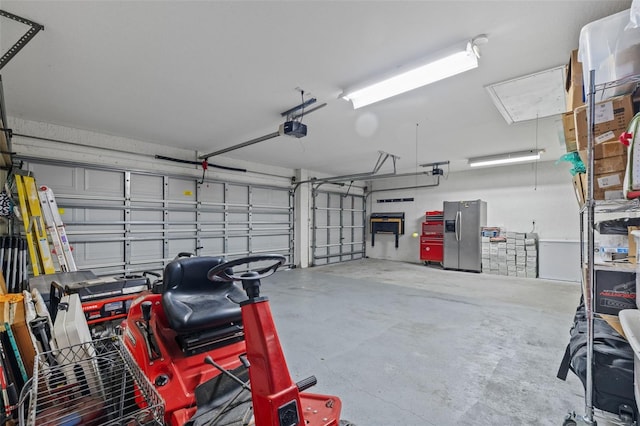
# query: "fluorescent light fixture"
[510,157]
[447,63]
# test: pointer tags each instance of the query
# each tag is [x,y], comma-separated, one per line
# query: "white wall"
[88,147]
[516,196]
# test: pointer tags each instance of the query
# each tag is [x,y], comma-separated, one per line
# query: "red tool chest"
[432,238]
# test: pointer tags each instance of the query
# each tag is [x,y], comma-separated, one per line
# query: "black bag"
[612,364]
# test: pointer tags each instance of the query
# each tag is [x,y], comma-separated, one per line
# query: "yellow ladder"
[31,212]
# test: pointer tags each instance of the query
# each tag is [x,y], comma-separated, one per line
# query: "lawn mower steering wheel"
[219,273]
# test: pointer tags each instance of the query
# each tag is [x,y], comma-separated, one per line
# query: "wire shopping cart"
[94,383]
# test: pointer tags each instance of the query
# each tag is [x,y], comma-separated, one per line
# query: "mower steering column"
[251,286]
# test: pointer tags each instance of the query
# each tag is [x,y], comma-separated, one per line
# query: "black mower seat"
[192,303]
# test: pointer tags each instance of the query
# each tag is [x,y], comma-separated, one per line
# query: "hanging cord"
[205,166]
[348,189]
[416,158]
[535,185]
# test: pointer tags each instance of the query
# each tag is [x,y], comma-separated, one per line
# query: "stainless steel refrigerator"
[462,234]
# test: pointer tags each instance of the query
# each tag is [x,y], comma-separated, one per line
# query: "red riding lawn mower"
[212,350]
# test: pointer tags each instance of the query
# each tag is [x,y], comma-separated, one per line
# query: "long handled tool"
[2,239]
[7,273]
[25,272]
[14,271]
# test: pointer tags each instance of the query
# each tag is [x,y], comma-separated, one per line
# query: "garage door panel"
[238,220]
[103,215]
[102,182]
[147,250]
[64,179]
[334,200]
[334,218]
[270,221]
[237,194]
[347,237]
[212,193]
[182,189]
[212,217]
[334,250]
[269,197]
[141,232]
[104,252]
[321,218]
[146,187]
[321,200]
[270,216]
[175,246]
[147,216]
[212,246]
[267,243]
[182,219]
[238,245]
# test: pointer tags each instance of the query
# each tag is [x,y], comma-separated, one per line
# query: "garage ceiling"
[206,75]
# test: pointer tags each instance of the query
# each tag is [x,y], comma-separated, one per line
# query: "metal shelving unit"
[591,208]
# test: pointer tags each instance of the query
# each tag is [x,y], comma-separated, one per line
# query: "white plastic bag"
[634,18]
[631,138]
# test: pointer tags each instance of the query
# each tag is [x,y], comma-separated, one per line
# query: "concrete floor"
[405,344]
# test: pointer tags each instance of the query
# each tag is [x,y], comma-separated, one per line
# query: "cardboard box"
[21,333]
[614,322]
[633,247]
[604,150]
[574,85]
[611,118]
[610,165]
[606,187]
[608,194]
[607,165]
[608,181]
[569,126]
[609,149]
[615,290]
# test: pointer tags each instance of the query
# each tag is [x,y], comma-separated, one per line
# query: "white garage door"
[338,227]
[125,222]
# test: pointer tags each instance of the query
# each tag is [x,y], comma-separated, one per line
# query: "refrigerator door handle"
[458,224]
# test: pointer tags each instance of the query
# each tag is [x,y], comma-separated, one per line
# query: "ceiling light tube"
[508,158]
[444,64]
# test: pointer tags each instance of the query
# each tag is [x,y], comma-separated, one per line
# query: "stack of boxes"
[610,162]
[513,254]
[531,250]
[610,156]
[612,116]
[521,255]
[502,258]
[489,256]
[574,98]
